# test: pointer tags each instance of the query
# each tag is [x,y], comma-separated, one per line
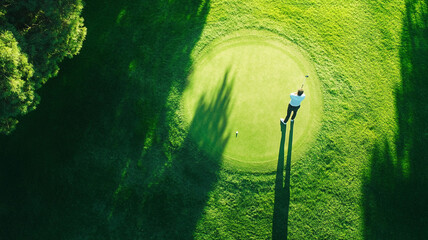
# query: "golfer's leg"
[288,113]
[294,113]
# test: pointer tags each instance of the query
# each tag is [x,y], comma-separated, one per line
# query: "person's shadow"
[282,188]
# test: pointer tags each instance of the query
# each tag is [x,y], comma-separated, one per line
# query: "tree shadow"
[282,188]
[75,158]
[396,187]
[210,119]
[177,201]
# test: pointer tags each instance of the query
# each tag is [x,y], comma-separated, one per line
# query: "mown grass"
[356,53]
[263,68]
[105,155]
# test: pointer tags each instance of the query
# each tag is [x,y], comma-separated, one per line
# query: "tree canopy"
[35,36]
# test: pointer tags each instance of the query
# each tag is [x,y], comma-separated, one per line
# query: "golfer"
[294,105]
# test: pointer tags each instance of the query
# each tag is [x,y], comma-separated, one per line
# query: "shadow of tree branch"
[396,187]
[172,206]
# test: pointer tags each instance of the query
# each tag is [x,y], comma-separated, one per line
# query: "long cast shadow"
[282,188]
[395,189]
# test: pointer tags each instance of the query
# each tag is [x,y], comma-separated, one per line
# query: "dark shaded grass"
[396,188]
[172,205]
[74,168]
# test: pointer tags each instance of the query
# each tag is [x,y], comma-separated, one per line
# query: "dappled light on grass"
[396,186]
[210,119]
[74,169]
[182,188]
[108,156]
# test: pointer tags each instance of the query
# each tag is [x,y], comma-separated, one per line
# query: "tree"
[35,36]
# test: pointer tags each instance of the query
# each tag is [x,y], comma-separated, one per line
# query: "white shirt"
[296,100]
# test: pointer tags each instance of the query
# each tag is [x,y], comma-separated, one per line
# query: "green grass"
[108,154]
[260,70]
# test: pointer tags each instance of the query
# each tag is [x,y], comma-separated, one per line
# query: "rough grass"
[106,156]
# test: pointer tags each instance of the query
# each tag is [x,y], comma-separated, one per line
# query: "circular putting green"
[238,91]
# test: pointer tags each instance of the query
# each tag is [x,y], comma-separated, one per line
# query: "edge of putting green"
[300,146]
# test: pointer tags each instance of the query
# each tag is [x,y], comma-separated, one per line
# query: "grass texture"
[109,154]
[260,71]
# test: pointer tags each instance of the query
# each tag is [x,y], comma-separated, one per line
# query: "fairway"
[260,70]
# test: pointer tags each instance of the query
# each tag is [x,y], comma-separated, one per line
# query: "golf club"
[304,80]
